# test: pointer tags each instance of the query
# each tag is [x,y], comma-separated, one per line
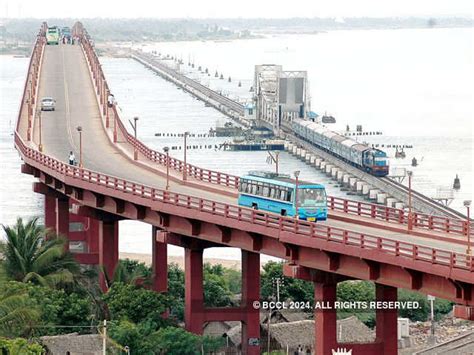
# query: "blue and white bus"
[276,193]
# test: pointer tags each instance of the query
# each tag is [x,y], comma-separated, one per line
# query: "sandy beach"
[146,258]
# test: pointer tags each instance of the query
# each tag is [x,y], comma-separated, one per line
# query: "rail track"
[399,191]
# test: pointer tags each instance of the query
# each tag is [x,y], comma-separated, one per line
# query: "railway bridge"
[121,178]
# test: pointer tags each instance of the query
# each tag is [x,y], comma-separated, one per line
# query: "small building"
[249,111]
[298,337]
[218,329]
[73,344]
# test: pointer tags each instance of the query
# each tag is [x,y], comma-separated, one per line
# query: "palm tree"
[31,257]
[17,316]
[127,274]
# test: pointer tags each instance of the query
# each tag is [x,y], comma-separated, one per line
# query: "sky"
[232,8]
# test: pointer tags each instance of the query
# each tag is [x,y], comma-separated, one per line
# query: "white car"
[48,104]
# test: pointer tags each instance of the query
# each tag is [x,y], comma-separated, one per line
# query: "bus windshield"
[311,197]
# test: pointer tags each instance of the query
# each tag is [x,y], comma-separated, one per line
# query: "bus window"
[288,196]
[254,189]
[243,187]
[311,196]
[282,194]
[266,191]
[272,192]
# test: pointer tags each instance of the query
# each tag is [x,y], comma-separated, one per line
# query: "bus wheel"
[254,206]
[283,212]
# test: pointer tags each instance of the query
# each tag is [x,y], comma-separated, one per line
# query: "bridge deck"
[65,76]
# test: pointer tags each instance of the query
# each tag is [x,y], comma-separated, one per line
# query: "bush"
[130,302]
[56,307]
[20,346]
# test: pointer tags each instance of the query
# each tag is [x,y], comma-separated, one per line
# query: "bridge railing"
[389,214]
[276,224]
[29,99]
[207,175]
[364,209]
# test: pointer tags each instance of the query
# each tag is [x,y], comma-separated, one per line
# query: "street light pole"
[134,126]
[114,111]
[467,204]
[185,167]
[167,149]
[79,129]
[410,215]
[297,174]
[40,122]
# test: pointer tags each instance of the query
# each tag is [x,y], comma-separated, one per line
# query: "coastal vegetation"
[43,291]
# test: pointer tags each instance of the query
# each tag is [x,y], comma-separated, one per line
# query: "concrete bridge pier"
[325,314]
[159,262]
[108,249]
[195,312]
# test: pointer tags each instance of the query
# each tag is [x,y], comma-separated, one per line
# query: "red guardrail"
[352,207]
[389,214]
[102,87]
[277,224]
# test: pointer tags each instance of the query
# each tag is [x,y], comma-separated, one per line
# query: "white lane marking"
[66,102]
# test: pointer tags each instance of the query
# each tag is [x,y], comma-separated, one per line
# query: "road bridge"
[120,178]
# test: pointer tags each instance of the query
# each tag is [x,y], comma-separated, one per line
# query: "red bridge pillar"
[325,318]
[386,320]
[250,294]
[194,294]
[50,212]
[325,323]
[62,218]
[159,262]
[108,249]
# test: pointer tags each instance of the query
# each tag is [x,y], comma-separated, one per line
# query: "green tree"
[20,346]
[441,306]
[17,316]
[176,290]
[31,257]
[176,341]
[135,303]
[53,307]
[294,289]
[129,272]
[135,336]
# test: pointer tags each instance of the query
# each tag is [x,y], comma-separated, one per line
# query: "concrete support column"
[325,319]
[108,249]
[62,218]
[250,294]
[159,263]
[194,293]
[386,320]
[50,213]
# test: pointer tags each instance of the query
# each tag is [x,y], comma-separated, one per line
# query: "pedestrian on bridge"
[111,100]
[72,158]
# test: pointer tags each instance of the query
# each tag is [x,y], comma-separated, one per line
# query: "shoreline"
[146,258]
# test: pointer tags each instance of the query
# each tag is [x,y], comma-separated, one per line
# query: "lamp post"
[40,122]
[297,174]
[467,204]
[167,150]
[410,215]
[79,129]
[185,167]
[114,111]
[134,126]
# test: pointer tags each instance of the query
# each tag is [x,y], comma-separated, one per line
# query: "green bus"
[52,35]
